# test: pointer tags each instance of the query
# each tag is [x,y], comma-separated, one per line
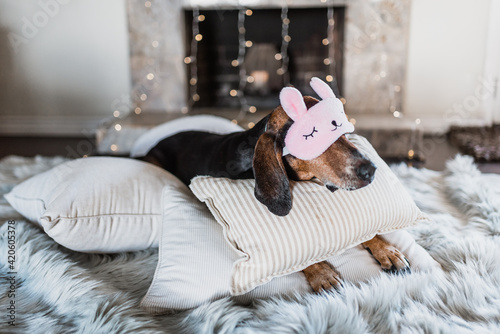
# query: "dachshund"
[258,153]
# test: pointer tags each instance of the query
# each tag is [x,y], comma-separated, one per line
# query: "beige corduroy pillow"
[321,224]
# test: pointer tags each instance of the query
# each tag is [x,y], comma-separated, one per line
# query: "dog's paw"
[390,258]
[322,277]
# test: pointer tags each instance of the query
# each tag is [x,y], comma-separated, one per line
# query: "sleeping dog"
[259,153]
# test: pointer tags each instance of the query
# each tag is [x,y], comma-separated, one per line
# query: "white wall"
[65,64]
[448,48]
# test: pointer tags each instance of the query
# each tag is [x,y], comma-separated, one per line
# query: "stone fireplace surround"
[375,49]
[375,59]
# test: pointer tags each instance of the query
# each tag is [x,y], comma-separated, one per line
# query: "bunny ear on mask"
[292,102]
[322,88]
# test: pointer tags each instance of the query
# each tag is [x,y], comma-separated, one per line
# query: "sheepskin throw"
[56,290]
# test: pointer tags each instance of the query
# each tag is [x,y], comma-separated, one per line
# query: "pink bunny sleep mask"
[313,130]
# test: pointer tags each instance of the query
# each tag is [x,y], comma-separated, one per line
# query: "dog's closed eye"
[311,134]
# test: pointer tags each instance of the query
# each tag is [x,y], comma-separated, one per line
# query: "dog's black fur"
[230,155]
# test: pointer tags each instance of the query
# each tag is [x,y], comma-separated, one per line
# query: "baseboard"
[70,126]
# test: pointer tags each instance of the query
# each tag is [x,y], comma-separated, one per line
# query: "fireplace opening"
[307,51]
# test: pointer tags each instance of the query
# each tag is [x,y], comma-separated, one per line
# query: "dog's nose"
[366,170]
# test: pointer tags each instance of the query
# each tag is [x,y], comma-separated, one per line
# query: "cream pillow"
[195,261]
[99,204]
[321,224]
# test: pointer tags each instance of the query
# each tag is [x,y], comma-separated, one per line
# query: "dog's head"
[338,164]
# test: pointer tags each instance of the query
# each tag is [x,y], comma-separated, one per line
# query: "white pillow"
[195,261]
[208,123]
[320,224]
[99,204]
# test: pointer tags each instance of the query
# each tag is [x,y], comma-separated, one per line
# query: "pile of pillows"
[227,246]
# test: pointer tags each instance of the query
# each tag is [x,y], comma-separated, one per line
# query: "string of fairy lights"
[244,44]
[191,60]
[285,40]
[147,80]
[244,78]
[330,61]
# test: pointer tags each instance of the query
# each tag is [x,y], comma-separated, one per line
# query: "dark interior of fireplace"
[307,53]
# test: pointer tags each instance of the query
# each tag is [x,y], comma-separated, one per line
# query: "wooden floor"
[436,150]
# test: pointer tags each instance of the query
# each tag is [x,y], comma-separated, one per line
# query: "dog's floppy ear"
[272,187]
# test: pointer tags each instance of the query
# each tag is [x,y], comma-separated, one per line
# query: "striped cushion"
[321,224]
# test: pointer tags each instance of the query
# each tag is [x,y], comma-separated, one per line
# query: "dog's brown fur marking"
[329,167]
[334,167]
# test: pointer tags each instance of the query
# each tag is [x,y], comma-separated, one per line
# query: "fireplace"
[370,48]
[308,54]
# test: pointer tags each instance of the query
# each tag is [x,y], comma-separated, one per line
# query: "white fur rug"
[60,291]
